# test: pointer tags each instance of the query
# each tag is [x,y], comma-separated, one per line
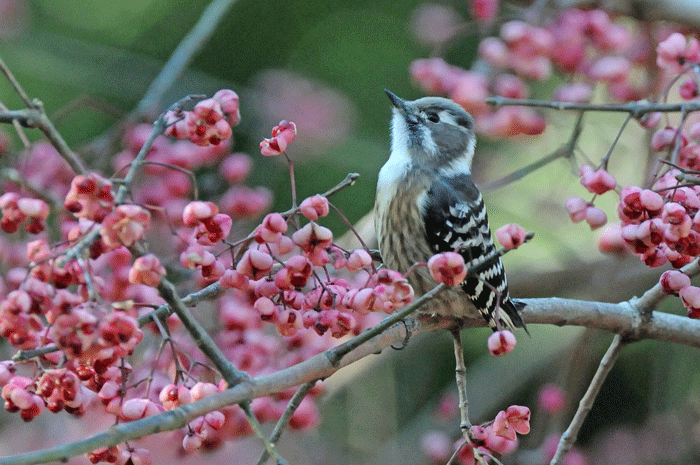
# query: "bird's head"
[434,131]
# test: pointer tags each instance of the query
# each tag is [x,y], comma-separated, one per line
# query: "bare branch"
[200,336]
[622,318]
[183,54]
[15,84]
[566,151]
[569,437]
[636,109]
[292,407]
[461,377]
[35,117]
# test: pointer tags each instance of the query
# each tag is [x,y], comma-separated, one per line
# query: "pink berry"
[675,52]
[576,207]
[484,10]
[597,182]
[690,295]
[448,268]
[501,342]
[595,217]
[510,236]
[672,281]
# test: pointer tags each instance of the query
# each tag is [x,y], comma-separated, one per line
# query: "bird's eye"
[433,117]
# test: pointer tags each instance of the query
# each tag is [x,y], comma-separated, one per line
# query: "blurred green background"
[328,62]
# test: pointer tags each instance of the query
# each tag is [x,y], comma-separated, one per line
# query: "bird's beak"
[399,103]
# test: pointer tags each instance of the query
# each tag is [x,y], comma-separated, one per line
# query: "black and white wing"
[455,220]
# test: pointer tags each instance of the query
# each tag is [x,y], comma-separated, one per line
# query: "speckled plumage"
[427,203]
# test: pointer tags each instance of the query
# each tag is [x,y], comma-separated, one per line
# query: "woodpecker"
[427,203]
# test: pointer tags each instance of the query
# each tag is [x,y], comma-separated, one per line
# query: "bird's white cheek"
[399,132]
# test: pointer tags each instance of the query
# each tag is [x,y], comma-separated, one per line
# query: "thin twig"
[479,455]
[351,227]
[636,109]
[257,430]
[566,151]
[522,172]
[292,180]
[606,158]
[207,293]
[200,336]
[206,344]
[23,355]
[18,128]
[195,39]
[15,84]
[349,180]
[569,437]
[461,377]
[336,354]
[283,421]
[455,454]
[189,173]
[35,117]
[677,137]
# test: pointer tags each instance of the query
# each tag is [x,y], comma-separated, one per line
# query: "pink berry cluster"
[660,224]
[286,281]
[165,185]
[587,47]
[86,305]
[209,123]
[660,228]
[675,282]
[597,182]
[498,436]
[90,197]
[91,345]
[16,209]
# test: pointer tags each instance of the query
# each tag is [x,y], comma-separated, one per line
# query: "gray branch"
[622,318]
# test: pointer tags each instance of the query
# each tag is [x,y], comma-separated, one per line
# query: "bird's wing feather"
[455,220]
